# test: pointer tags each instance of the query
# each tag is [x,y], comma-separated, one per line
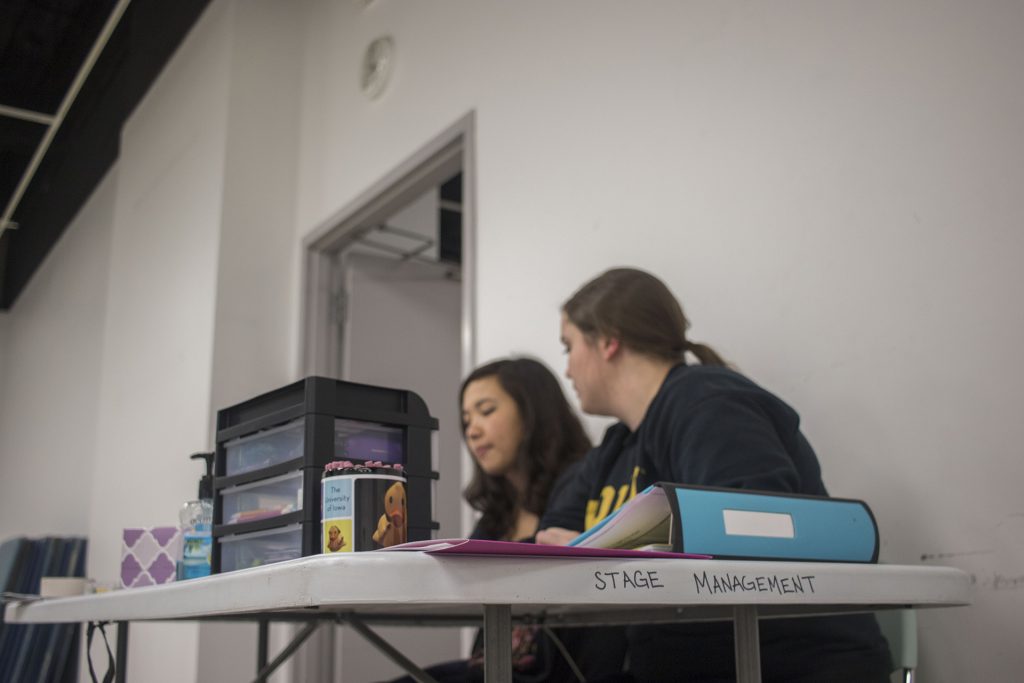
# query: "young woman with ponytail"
[625,337]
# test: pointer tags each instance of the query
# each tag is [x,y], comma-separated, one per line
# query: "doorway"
[389,284]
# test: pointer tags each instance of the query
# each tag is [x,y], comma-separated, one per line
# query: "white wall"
[49,375]
[154,392]
[255,329]
[255,339]
[831,189]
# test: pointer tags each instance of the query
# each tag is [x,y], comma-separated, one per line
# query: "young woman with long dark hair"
[525,441]
[522,435]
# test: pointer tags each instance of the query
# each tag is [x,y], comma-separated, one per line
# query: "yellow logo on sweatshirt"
[598,509]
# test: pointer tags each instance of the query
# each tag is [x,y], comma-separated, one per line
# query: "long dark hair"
[639,310]
[552,439]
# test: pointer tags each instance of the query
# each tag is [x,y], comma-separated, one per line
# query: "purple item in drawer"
[368,446]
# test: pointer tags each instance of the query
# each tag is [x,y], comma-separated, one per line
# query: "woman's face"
[492,426]
[583,367]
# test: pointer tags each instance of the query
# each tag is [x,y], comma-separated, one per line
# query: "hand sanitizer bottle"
[196,518]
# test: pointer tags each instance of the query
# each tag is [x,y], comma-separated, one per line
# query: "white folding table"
[416,588]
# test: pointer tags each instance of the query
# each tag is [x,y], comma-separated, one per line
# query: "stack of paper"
[646,520]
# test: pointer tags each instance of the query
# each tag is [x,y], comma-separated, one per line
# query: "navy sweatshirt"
[711,426]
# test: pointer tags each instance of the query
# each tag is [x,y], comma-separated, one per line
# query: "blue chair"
[899,626]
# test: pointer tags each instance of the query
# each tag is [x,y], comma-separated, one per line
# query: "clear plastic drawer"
[241,551]
[354,440]
[262,499]
[265,449]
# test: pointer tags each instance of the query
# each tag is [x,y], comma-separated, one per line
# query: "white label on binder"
[751,523]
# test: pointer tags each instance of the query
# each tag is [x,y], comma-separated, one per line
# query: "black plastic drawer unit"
[271,452]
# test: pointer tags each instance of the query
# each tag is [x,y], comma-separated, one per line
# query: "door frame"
[435,162]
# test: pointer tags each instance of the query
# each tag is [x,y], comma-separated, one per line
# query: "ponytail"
[705,354]
[639,310]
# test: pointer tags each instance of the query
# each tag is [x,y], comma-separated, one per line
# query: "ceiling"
[43,46]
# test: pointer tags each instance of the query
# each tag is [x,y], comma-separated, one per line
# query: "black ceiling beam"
[87,144]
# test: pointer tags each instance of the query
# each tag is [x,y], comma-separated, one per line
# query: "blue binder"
[738,524]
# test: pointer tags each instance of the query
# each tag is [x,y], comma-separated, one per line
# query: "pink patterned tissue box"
[148,555]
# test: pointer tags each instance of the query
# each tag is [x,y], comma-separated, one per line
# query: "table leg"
[389,650]
[263,674]
[262,644]
[121,664]
[498,643]
[748,646]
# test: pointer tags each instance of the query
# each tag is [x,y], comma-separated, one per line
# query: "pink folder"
[466,546]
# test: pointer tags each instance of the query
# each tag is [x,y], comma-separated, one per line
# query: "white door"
[402,329]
